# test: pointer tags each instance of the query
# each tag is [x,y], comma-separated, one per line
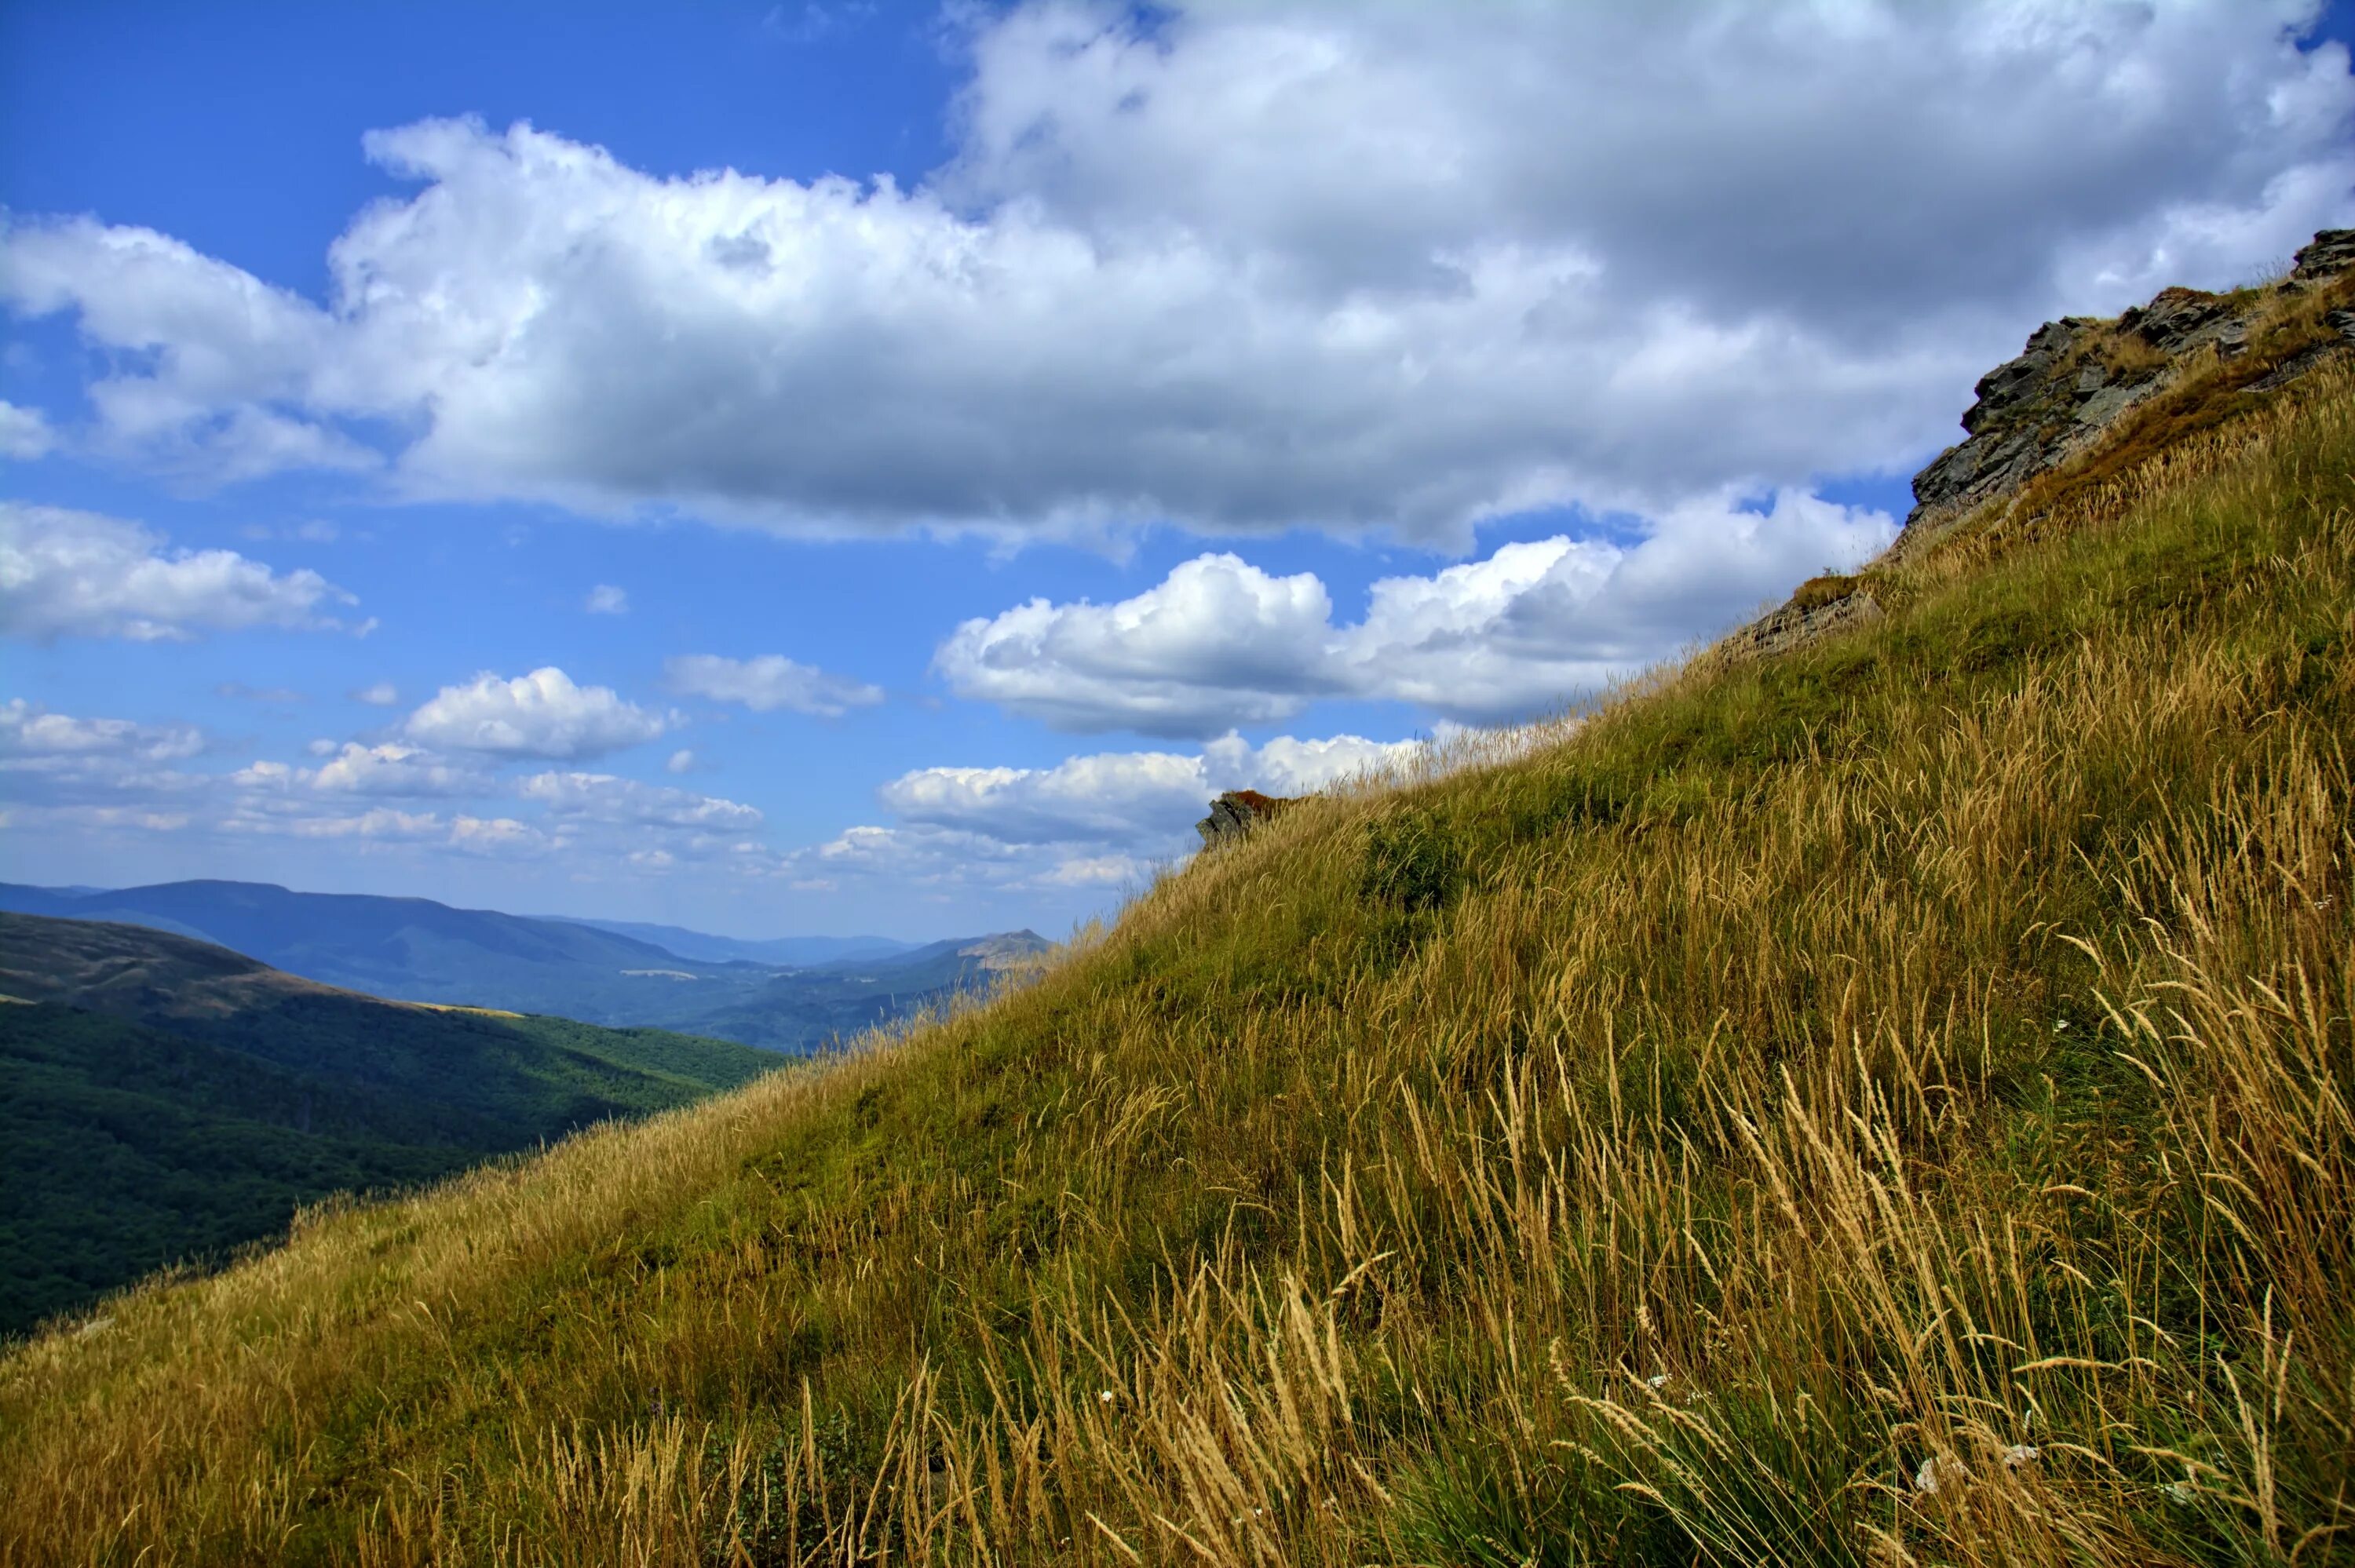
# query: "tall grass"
[1885,1104]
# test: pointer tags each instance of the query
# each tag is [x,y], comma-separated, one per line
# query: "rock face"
[2078,374]
[1236,812]
[2069,386]
[2331,253]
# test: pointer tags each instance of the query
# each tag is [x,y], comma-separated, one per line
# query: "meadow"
[1885,1103]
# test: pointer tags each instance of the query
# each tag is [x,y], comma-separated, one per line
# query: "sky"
[831,468]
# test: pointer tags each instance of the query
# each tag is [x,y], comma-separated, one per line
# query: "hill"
[1876,1093]
[413,949]
[788,952]
[168,1100]
[840,1001]
[606,972]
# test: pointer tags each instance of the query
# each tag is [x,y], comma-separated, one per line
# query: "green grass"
[1659,1140]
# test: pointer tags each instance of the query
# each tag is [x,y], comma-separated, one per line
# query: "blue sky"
[829,468]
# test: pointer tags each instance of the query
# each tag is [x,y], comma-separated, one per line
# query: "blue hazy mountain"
[414,949]
[787,952]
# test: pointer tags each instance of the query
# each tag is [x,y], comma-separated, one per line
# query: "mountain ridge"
[418,950]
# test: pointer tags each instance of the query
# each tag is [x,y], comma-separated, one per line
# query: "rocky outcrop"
[1798,623]
[1238,811]
[2331,253]
[2069,389]
[2078,374]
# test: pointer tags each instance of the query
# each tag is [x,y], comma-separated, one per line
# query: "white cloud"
[390,770]
[1247,266]
[77,573]
[1146,801]
[539,715]
[607,600]
[681,761]
[1097,821]
[30,730]
[25,433]
[600,797]
[767,684]
[382,694]
[1219,642]
[376,823]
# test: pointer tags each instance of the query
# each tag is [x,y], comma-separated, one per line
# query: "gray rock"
[1238,811]
[2180,320]
[2331,253]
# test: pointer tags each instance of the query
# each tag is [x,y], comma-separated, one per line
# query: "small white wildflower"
[1934,1472]
[1657,1380]
[2019,1454]
[2177,1491]
[2059,1024]
[1104,1396]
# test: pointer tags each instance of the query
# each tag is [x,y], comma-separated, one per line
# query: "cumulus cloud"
[543,714]
[380,694]
[25,433]
[767,684]
[1138,799]
[1250,266]
[600,797]
[1094,822]
[681,761]
[30,730]
[390,769]
[77,573]
[607,600]
[1219,642]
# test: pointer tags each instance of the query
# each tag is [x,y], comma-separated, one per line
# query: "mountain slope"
[838,1002]
[168,1099]
[791,953]
[1889,1100]
[604,972]
[409,949]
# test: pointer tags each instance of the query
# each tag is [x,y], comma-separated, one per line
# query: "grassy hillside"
[168,1100]
[1885,1103]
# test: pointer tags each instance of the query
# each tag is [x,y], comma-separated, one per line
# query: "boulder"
[1238,811]
[2331,253]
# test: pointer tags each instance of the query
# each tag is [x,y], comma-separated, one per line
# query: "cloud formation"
[607,600]
[387,769]
[25,433]
[543,714]
[77,573]
[1101,820]
[768,683]
[600,797]
[1248,267]
[30,730]
[1219,642]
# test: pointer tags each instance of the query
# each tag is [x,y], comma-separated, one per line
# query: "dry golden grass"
[1740,1128]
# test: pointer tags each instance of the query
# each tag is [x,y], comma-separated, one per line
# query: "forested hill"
[168,1100]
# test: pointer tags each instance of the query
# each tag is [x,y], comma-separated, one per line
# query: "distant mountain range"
[809,990]
[791,953]
[162,1098]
